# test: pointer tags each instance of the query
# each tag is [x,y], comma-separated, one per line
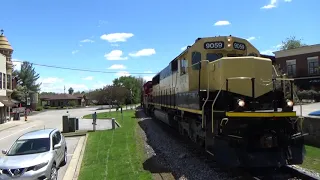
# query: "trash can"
[65,123]
[72,124]
[77,123]
[16,116]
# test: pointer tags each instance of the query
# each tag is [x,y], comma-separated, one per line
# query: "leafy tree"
[20,93]
[70,90]
[291,43]
[28,77]
[133,86]
[108,95]
[48,93]
[27,81]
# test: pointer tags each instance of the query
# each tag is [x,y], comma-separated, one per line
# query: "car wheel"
[64,161]
[54,172]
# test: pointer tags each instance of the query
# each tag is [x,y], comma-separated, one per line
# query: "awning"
[4,100]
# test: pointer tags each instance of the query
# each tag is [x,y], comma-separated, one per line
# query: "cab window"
[214,56]
[196,57]
[183,66]
[234,55]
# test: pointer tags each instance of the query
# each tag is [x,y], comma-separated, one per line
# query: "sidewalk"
[10,124]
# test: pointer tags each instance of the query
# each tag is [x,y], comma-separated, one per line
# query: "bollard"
[94,121]
[113,123]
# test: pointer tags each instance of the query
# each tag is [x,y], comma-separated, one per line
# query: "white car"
[36,155]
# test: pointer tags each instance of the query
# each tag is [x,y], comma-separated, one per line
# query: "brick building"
[302,64]
[63,100]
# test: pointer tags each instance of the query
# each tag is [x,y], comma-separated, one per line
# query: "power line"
[77,69]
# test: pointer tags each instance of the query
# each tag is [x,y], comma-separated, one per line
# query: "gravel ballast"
[171,155]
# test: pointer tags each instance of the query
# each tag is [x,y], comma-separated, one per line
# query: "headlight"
[241,102]
[39,166]
[289,103]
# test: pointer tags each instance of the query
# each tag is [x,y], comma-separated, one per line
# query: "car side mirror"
[57,146]
[4,151]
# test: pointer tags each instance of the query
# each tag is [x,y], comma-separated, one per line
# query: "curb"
[117,124]
[74,160]
[77,172]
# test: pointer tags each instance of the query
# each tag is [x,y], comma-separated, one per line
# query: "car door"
[57,152]
[61,150]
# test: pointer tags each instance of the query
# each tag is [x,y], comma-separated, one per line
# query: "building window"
[9,81]
[313,65]
[183,66]
[0,80]
[4,81]
[291,67]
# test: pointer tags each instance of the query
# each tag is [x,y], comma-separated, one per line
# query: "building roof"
[298,51]
[4,43]
[41,133]
[61,96]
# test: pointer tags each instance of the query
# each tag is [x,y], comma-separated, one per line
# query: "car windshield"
[29,146]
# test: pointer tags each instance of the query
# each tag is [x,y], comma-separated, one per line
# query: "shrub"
[39,108]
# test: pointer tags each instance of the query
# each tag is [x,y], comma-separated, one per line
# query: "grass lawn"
[312,159]
[115,154]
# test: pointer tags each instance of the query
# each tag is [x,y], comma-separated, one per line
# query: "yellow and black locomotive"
[223,95]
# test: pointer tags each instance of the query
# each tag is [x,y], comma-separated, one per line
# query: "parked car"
[35,155]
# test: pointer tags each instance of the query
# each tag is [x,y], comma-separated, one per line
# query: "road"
[47,119]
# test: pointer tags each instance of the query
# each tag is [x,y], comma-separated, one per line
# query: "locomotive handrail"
[205,102]
[214,101]
[231,78]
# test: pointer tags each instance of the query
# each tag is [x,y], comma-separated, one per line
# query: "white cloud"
[89,78]
[55,84]
[116,37]
[117,66]
[115,55]
[75,51]
[277,46]
[122,73]
[148,77]
[80,45]
[87,41]
[143,52]
[16,65]
[271,50]
[273,4]
[183,48]
[287,0]
[251,38]
[222,23]
[100,84]
[267,52]
[50,80]
[115,45]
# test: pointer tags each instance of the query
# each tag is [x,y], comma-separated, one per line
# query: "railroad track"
[283,173]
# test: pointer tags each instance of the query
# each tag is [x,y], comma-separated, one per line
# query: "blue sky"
[127,36]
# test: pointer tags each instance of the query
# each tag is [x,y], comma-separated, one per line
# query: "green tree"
[70,90]
[28,77]
[132,84]
[291,43]
[27,81]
